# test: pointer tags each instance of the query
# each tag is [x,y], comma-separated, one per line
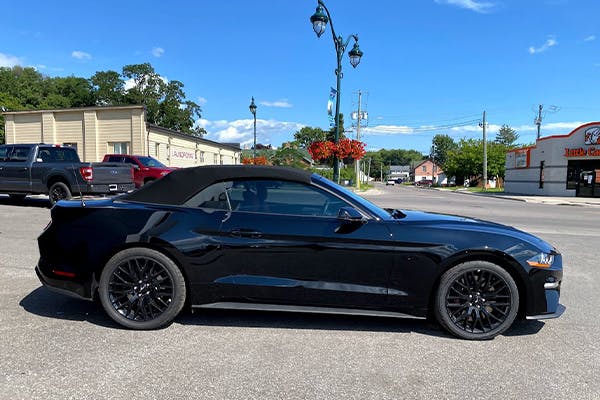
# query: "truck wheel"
[58,191]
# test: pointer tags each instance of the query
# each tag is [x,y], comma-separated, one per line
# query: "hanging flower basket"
[321,150]
[346,150]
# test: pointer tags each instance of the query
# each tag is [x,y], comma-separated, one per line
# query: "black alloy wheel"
[142,289]
[58,191]
[477,300]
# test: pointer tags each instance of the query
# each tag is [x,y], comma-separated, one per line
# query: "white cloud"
[550,42]
[590,38]
[282,103]
[382,130]
[202,101]
[242,130]
[7,60]
[81,55]
[158,52]
[478,6]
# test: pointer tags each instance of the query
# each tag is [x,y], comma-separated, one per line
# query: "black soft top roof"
[178,186]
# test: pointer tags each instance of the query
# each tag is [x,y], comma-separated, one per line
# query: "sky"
[429,66]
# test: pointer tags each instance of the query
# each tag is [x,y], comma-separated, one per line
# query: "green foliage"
[165,102]
[290,157]
[305,136]
[441,146]
[467,159]
[507,136]
[384,158]
[331,132]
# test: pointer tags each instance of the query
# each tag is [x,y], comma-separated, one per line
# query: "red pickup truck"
[145,168]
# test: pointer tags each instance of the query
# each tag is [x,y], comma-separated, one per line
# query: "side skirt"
[303,309]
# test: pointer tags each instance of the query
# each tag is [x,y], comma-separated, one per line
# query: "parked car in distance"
[145,168]
[57,171]
[390,182]
[282,239]
[424,183]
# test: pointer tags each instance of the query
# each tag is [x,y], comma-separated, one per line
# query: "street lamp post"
[252,108]
[319,20]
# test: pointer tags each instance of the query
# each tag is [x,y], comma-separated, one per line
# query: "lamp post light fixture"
[252,108]
[319,20]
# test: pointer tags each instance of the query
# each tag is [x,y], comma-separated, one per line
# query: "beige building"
[96,131]
[559,165]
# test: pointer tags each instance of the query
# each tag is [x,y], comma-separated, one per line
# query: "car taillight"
[87,173]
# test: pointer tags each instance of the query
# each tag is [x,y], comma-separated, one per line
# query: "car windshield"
[379,212]
[151,162]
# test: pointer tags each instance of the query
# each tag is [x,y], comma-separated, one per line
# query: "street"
[57,347]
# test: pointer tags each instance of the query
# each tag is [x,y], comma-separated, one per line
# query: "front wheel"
[477,300]
[58,191]
[142,289]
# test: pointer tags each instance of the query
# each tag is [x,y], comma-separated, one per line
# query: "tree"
[386,158]
[305,136]
[108,88]
[441,146]
[331,132]
[467,159]
[507,137]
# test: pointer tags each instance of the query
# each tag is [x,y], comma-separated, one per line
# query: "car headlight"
[163,173]
[541,260]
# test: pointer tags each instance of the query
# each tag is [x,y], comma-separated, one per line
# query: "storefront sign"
[581,152]
[182,154]
[522,159]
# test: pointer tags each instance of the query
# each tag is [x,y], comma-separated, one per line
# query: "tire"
[476,300]
[58,191]
[17,196]
[142,289]
[147,181]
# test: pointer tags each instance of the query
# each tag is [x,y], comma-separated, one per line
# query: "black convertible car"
[269,238]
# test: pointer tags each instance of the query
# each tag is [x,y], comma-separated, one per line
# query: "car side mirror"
[349,214]
[135,166]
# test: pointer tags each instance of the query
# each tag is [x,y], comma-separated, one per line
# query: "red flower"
[321,150]
[346,148]
[258,160]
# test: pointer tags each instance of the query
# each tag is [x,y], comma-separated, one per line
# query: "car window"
[19,154]
[283,197]
[115,159]
[151,162]
[130,160]
[4,153]
[58,154]
[268,196]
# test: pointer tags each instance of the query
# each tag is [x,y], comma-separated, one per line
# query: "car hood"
[469,226]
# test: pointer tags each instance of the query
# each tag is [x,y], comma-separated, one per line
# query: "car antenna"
[78,186]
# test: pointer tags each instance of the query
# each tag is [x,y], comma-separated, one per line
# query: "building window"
[157,150]
[200,156]
[118,147]
[215,159]
[424,168]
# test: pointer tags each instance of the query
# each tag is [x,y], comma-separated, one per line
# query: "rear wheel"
[59,191]
[142,289]
[477,300]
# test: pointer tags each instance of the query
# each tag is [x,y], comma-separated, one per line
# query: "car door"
[284,244]
[16,170]
[4,153]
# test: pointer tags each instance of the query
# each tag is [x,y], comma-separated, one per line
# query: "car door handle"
[240,232]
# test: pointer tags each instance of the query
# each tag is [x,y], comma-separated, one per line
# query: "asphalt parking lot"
[56,347]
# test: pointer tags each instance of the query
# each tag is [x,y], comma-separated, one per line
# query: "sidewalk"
[568,201]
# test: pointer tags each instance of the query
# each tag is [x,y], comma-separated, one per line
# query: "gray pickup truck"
[57,171]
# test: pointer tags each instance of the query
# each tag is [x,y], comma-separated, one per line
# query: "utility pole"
[358,119]
[538,120]
[483,125]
